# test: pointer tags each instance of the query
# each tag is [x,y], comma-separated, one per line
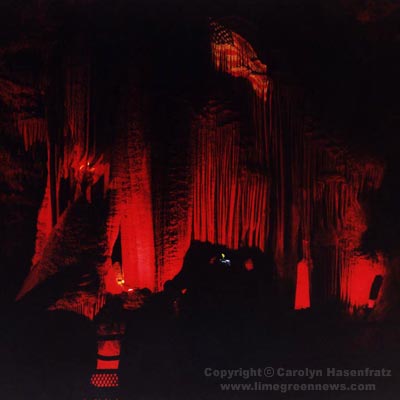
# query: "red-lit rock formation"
[277,185]
[131,211]
[229,199]
[312,196]
[76,170]
[234,55]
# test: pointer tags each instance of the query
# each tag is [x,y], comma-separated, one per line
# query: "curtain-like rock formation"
[312,197]
[278,184]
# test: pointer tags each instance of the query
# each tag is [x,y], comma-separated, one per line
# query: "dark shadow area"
[213,315]
[46,355]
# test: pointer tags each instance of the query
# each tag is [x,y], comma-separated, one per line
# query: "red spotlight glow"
[358,279]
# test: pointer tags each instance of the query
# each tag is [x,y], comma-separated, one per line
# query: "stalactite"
[72,158]
[340,219]
[314,184]
[229,200]
[78,136]
[215,179]
[33,130]
[282,187]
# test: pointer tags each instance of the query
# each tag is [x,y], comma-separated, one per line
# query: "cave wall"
[280,183]
[304,190]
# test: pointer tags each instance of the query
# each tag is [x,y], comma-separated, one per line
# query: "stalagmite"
[173,214]
[313,189]
[302,299]
[131,211]
[279,185]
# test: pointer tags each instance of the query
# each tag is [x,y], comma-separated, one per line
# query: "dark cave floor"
[51,355]
[171,362]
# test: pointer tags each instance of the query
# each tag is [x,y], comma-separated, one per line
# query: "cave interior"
[196,184]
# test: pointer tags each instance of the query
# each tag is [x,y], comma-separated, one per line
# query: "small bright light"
[130,290]
[224,260]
